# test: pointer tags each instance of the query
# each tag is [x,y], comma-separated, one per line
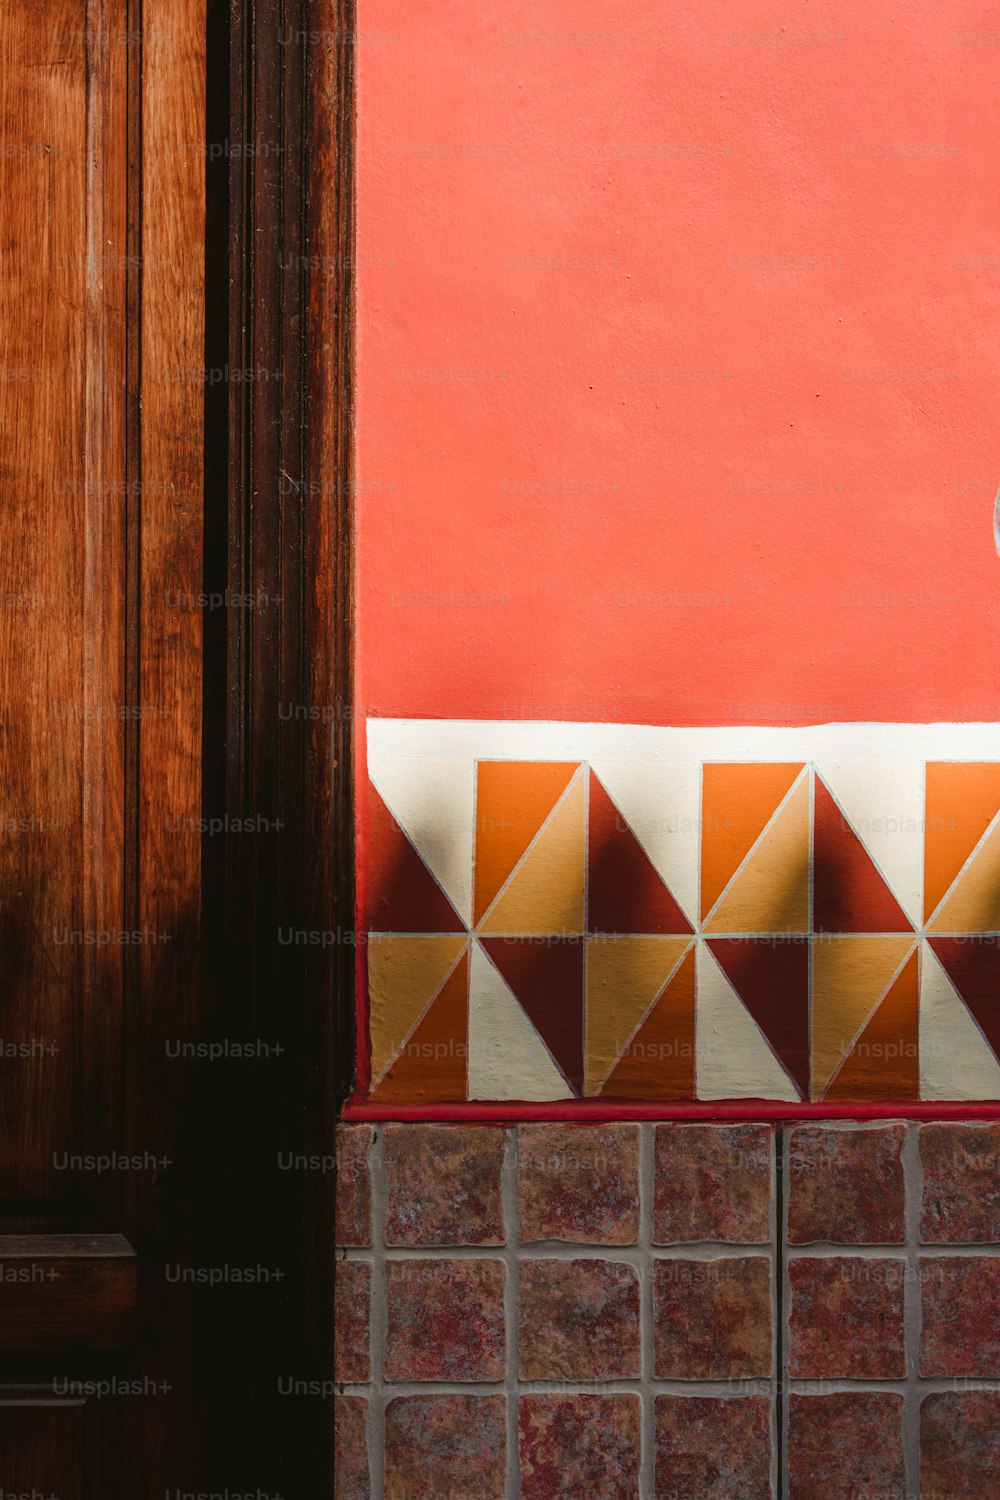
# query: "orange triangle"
[433,1065]
[513,800]
[546,892]
[973,904]
[884,1063]
[736,803]
[771,891]
[961,802]
[658,1062]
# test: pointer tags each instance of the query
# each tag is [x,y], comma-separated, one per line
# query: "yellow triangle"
[770,891]
[850,975]
[973,904]
[624,977]
[545,892]
[404,975]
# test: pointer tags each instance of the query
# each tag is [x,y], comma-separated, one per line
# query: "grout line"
[959,1252]
[939,1385]
[635,1255]
[377,1393]
[647,1321]
[747,1386]
[757,1386]
[778,1381]
[785,1253]
[707,1252]
[821,1250]
[913,1189]
[511,1301]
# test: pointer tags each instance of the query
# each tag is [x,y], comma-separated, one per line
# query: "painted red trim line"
[510,1112]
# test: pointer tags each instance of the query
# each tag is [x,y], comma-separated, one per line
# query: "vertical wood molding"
[330,231]
[169,1213]
[290,524]
[105,504]
[173,388]
[104,466]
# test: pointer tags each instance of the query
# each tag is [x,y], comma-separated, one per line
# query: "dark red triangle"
[972,964]
[624,891]
[403,895]
[771,977]
[546,977]
[849,894]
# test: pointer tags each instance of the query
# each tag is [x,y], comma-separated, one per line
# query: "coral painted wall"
[678,361]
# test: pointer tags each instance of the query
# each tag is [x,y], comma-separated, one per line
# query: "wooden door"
[159,1273]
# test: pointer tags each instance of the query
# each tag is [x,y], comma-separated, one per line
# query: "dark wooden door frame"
[289,520]
[277,706]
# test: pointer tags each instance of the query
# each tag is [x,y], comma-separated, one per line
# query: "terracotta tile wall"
[685,1312]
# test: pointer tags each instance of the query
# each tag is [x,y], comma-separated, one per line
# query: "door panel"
[42,1444]
[67,1291]
[61,543]
[142,462]
[95,888]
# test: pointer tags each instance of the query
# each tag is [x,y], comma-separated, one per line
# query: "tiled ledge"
[671,1312]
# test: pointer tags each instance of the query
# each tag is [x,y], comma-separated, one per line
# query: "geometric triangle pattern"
[507,1057]
[657,1061]
[884,1061]
[544,893]
[738,804]
[798,931]
[961,800]
[513,801]
[403,894]
[546,979]
[405,974]
[441,1037]
[625,893]
[625,992]
[733,1057]
[772,982]
[973,967]
[972,905]
[956,1058]
[851,976]
[849,894]
[769,891]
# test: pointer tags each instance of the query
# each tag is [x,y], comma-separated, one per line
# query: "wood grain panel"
[162,1210]
[42,1445]
[173,387]
[109,272]
[62,276]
